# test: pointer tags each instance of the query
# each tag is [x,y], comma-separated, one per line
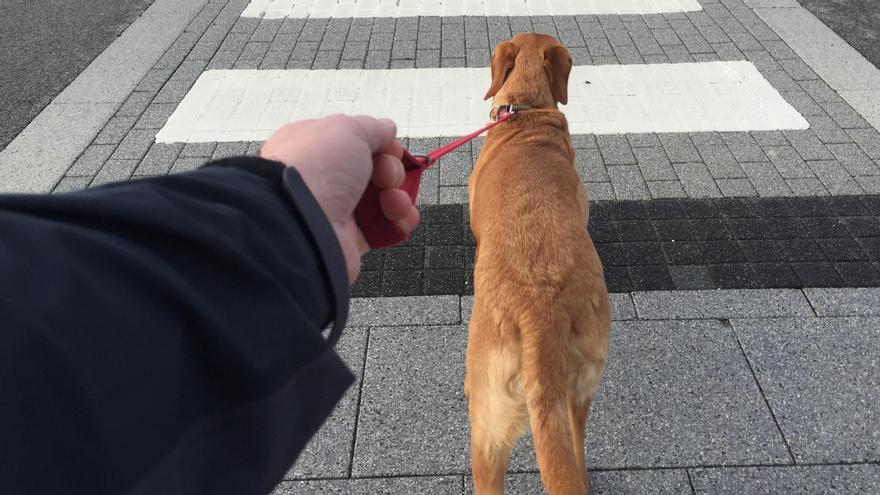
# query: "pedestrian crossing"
[248,105]
[278,9]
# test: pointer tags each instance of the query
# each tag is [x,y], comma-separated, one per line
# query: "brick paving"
[663,245]
[837,155]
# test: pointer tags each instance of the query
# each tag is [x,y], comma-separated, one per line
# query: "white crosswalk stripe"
[247,105]
[276,9]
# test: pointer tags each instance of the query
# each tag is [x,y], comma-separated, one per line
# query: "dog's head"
[530,69]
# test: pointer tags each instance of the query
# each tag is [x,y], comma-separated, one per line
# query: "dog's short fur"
[538,334]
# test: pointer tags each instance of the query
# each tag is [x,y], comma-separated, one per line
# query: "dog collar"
[498,111]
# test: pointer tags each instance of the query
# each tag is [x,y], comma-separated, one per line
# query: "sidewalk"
[732,391]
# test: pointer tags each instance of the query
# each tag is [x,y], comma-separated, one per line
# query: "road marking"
[278,9]
[248,105]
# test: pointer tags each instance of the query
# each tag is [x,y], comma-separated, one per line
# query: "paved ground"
[744,266]
[46,44]
[856,21]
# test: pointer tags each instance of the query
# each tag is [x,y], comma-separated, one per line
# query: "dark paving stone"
[669,244]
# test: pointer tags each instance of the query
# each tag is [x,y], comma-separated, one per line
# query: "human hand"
[337,157]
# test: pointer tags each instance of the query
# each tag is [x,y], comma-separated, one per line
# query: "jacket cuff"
[318,226]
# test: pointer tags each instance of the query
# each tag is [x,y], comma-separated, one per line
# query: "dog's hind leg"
[577,415]
[496,406]
[545,379]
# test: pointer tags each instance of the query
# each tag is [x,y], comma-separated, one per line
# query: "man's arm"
[165,334]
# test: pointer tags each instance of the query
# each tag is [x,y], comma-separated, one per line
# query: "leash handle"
[378,230]
[381,233]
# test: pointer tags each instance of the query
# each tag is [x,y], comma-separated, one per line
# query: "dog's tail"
[544,365]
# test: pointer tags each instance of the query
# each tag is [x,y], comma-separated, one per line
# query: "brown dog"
[538,334]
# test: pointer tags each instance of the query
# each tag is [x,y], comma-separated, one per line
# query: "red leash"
[377,230]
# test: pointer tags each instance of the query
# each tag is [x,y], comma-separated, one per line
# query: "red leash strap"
[377,230]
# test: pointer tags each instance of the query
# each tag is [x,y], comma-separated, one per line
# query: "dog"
[538,334]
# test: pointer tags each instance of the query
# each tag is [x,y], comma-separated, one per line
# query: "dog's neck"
[540,121]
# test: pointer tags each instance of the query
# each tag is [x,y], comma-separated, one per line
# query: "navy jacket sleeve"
[164,336]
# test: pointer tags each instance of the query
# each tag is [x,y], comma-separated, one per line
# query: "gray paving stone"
[615,149]
[590,166]
[413,414]
[766,180]
[654,482]
[155,116]
[690,277]
[203,150]
[845,302]
[868,140]
[736,188]
[827,130]
[820,91]
[382,41]
[643,140]
[187,164]
[744,147]
[669,189]
[835,177]
[798,70]
[600,191]
[819,376]
[844,115]
[806,480]
[159,159]
[802,102]
[853,159]
[135,144]
[429,191]
[720,162]
[696,180]
[679,148]
[455,168]
[90,161]
[254,51]
[654,164]
[71,184]
[770,138]
[329,453]
[628,182]
[229,149]
[727,51]
[599,47]
[135,105]
[378,59]
[114,130]
[871,185]
[452,195]
[416,310]
[172,92]
[445,485]
[764,303]
[327,59]
[583,141]
[222,61]
[678,54]
[806,187]
[114,171]
[621,307]
[692,392]
[277,61]
[788,162]
[479,57]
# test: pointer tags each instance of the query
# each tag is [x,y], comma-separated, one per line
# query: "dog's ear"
[557,63]
[502,62]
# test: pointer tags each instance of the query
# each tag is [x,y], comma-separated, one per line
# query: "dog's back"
[539,328]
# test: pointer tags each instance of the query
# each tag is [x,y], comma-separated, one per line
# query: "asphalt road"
[856,21]
[45,44]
